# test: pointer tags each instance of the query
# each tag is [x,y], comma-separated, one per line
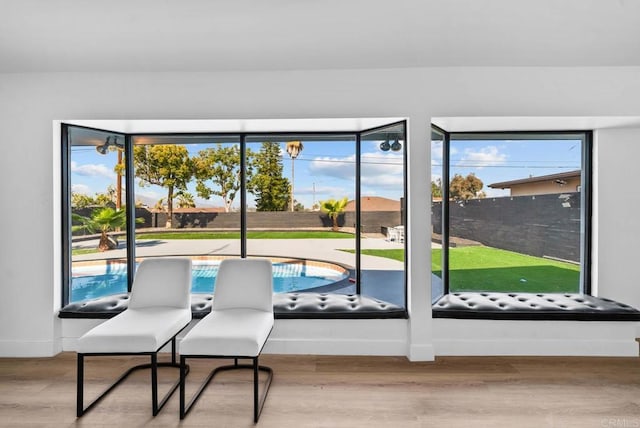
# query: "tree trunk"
[103,245]
[169,207]
[335,223]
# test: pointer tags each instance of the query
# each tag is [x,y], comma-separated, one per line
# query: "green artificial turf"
[491,269]
[480,268]
[298,234]
[395,254]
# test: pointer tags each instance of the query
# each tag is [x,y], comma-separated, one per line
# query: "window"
[327,208]
[95,214]
[382,190]
[517,216]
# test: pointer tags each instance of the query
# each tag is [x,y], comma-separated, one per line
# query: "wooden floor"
[323,391]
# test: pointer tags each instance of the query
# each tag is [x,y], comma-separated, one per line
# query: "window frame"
[586,159]
[130,194]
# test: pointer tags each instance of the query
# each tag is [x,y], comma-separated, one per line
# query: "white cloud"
[93,170]
[82,189]
[379,171]
[486,156]
[373,166]
[344,167]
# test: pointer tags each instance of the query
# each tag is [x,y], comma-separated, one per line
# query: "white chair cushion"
[230,332]
[244,283]
[164,281]
[135,330]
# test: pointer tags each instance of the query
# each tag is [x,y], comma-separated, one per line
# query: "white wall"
[617,217]
[30,102]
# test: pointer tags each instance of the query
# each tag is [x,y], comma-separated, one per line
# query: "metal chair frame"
[258,403]
[153,365]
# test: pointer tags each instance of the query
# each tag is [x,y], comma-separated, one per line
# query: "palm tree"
[103,220]
[293,148]
[333,208]
[185,200]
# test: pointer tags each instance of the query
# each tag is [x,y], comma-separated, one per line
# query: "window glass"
[188,200]
[327,208]
[96,215]
[300,192]
[382,201]
[437,146]
[516,215]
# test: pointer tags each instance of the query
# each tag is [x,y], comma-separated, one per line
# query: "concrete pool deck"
[320,249]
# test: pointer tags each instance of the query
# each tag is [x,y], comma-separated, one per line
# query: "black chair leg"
[156,405]
[256,415]
[258,402]
[80,387]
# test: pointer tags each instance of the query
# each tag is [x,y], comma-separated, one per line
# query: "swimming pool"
[91,280]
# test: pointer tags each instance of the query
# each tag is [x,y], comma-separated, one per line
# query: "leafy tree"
[166,165]
[270,188]
[159,206]
[333,208]
[80,200]
[106,199]
[465,188]
[103,220]
[298,206]
[436,188]
[221,166]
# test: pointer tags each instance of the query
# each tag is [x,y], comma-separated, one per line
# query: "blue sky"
[326,169]
[323,170]
[501,160]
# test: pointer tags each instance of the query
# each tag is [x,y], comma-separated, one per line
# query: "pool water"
[91,282]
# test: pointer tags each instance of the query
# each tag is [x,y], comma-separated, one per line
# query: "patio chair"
[159,308]
[237,327]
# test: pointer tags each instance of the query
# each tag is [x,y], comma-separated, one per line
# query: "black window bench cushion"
[532,306]
[285,305]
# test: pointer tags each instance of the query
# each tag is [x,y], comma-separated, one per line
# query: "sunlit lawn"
[297,234]
[480,268]
[491,269]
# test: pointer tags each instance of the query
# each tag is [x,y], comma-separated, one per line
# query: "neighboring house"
[542,185]
[374,203]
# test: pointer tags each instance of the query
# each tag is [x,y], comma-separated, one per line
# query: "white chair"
[159,308]
[238,326]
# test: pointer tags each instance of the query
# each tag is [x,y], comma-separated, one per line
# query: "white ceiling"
[220,35]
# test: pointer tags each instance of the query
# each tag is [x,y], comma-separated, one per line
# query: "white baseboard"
[578,348]
[29,348]
[336,347]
